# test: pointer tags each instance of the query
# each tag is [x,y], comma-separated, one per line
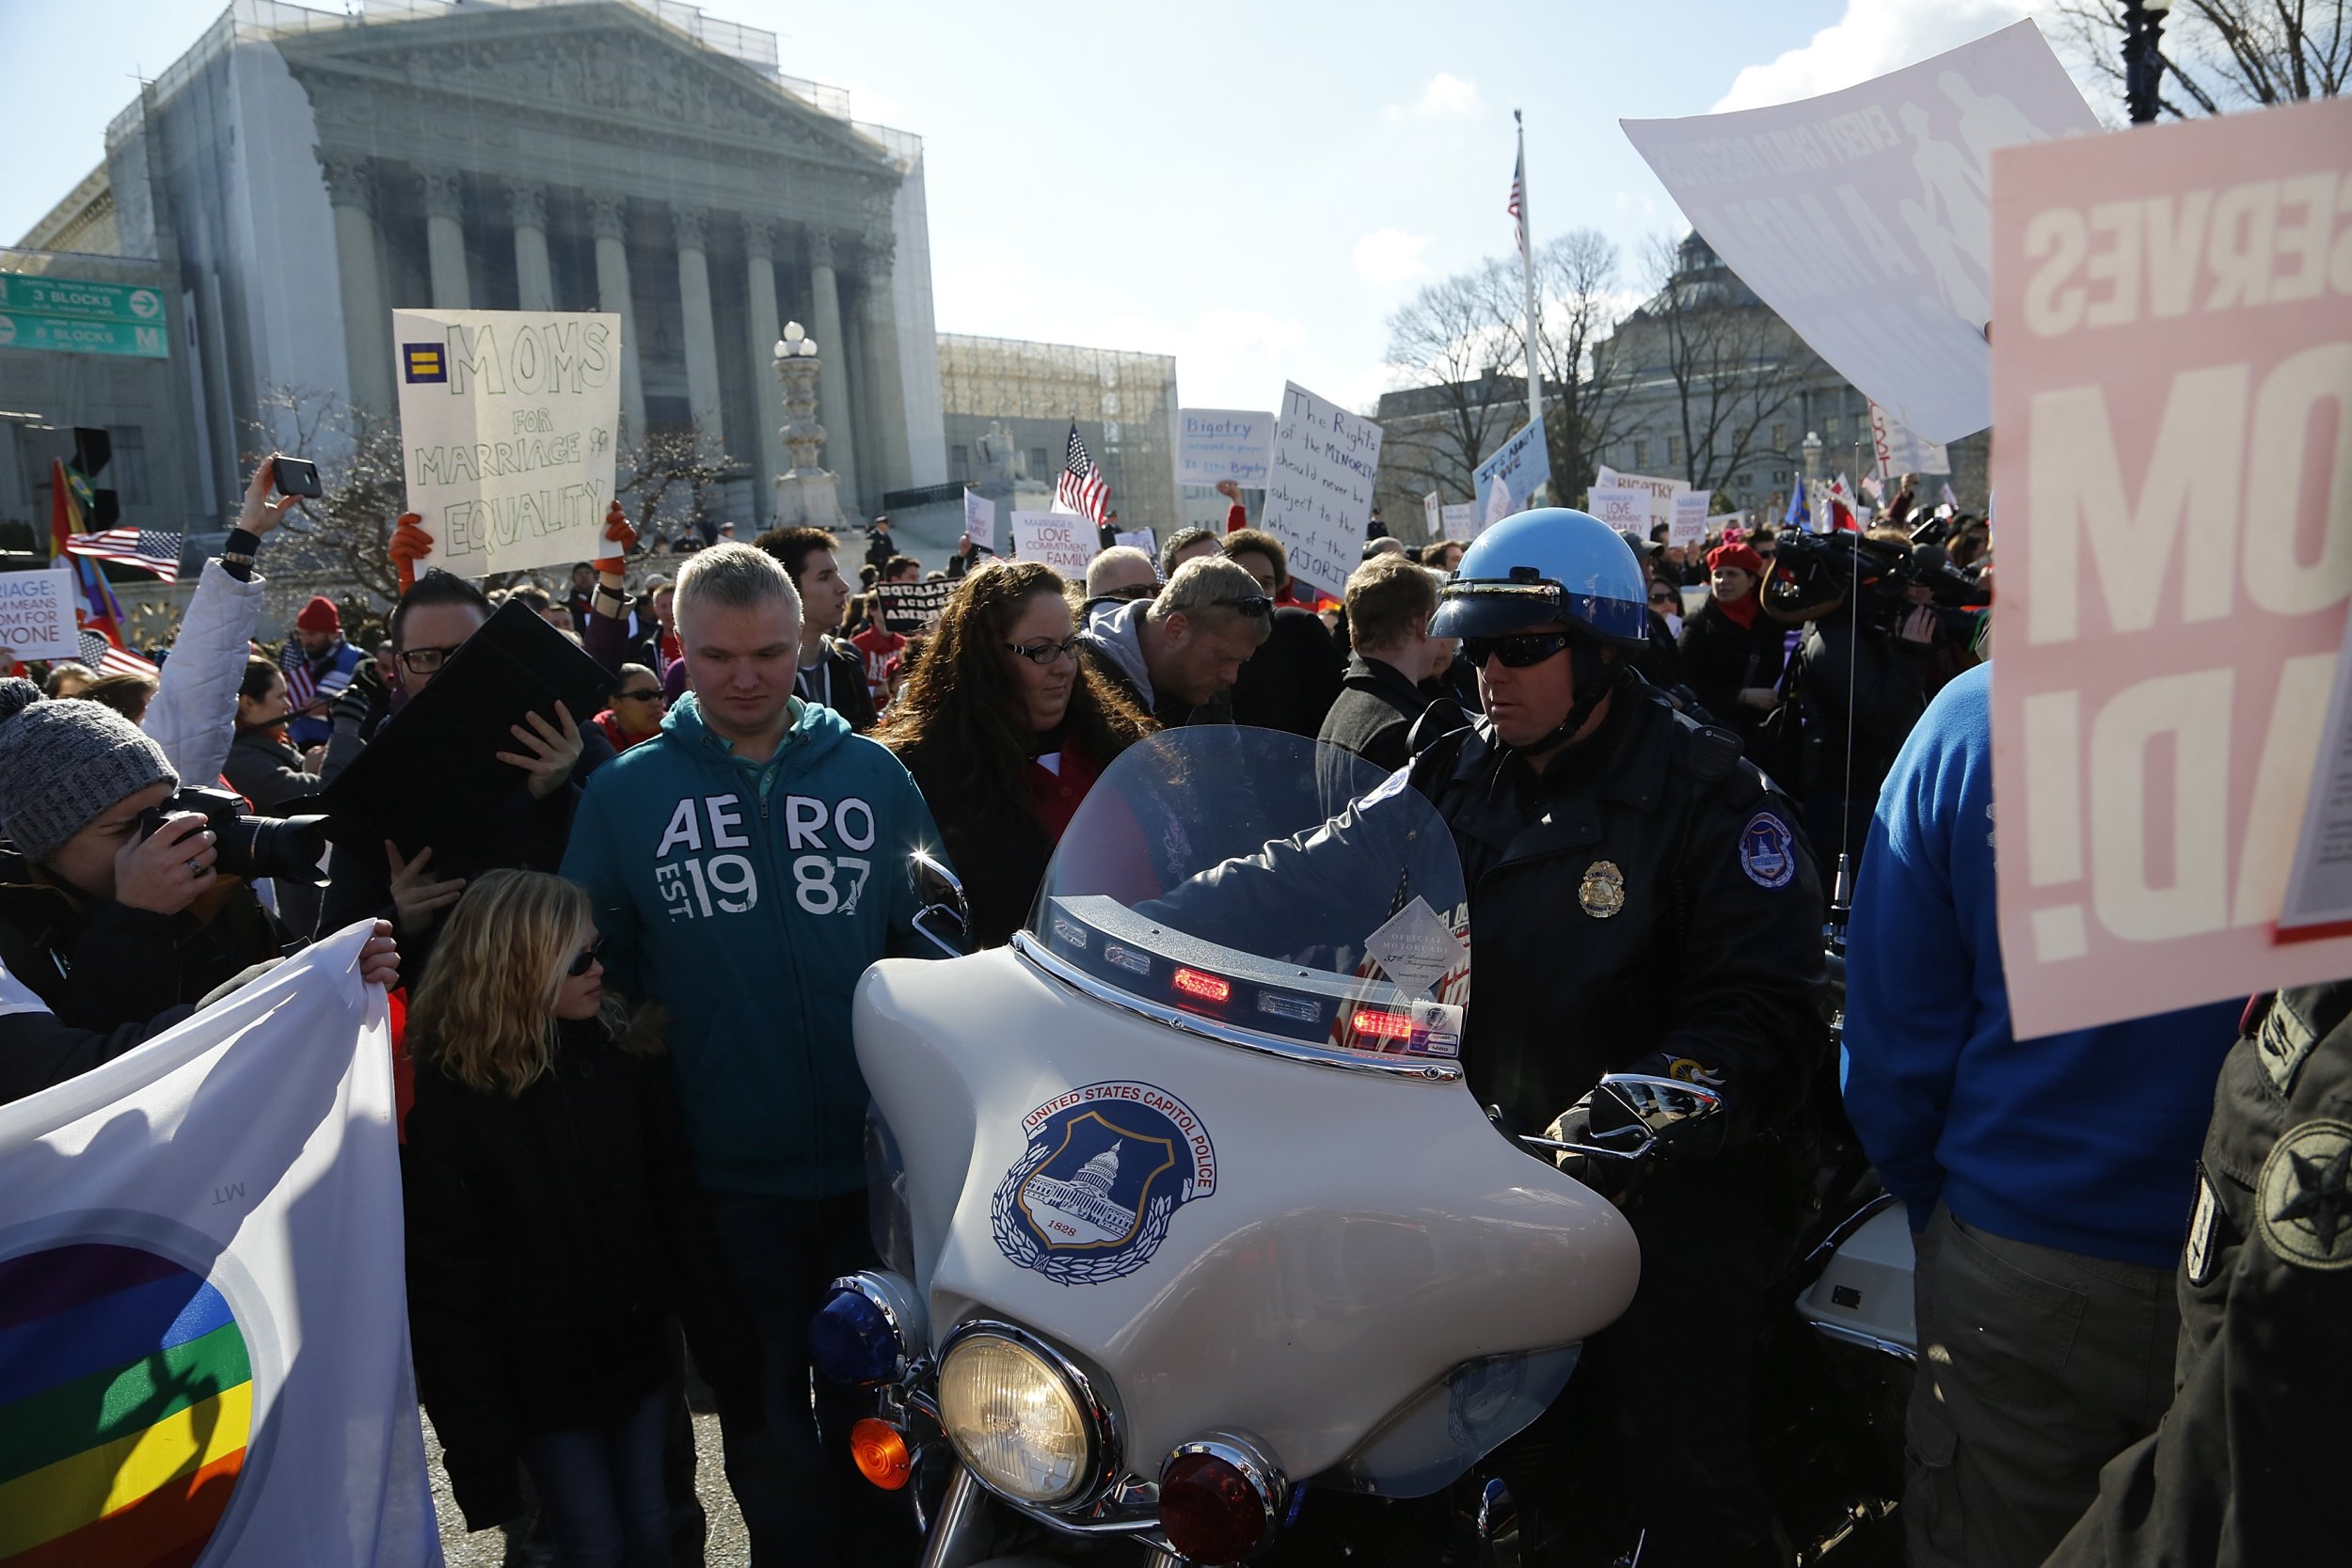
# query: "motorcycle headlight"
[1024,1420]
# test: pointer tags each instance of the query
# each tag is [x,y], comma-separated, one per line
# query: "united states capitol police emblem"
[1767,852]
[1602,892]
[2303,1197]
[1106,1167]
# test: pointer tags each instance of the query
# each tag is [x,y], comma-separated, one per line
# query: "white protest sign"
[1433,514]
[1621,506]
[1900,451]
[1662,491]
[507,425]
[979,519]
[1217,444]
[1861,217]
[1723,520]
[1517,469]
[911,609]
[1319,491]
[1460,520]
[1687,526]
[1139,539]
[36,615]
[1063,540]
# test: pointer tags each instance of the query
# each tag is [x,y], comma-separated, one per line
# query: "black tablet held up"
[432,775]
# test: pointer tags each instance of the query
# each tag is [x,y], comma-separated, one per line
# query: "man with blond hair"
[1177,655]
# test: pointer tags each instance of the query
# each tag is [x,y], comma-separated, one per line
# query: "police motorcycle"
[1197,1249]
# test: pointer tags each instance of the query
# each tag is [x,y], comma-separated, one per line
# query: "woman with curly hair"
[1004,729]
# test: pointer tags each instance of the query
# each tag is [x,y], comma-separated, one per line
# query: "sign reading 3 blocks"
[508,420]
[73,316]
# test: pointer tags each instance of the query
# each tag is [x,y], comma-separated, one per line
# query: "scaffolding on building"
[1123,402]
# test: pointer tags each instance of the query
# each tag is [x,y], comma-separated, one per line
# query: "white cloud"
[1388,256]
[1873,38]
[1445,94]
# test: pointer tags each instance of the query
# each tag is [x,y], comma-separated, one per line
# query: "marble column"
[886,379]
[534,282]
[833,381]
[445,240]
[367,316]
[759,281]
[702,329]
[608,220]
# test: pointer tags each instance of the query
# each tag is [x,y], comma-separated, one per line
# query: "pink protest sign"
[2172,467]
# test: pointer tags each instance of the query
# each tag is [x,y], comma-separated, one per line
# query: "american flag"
[147,548]
[107,660]
[1081,487]
[302,688]
[1519,202]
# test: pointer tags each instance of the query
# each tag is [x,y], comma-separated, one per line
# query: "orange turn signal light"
[881,1453]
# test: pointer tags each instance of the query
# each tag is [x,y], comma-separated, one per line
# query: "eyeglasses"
[587,958]
[1044,650]
[424,662]
[1136,590]
[1518,651]
[1255,606]
[651,694]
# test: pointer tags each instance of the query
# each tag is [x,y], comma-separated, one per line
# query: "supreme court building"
[302,173]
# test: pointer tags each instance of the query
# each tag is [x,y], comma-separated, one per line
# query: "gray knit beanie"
[16,695]
[61,763]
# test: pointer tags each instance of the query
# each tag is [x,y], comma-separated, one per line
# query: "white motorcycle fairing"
[1327,1245]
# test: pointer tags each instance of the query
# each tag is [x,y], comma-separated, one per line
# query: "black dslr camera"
[1811,569]
[248,846]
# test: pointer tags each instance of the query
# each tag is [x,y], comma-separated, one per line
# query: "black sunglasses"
[1517,651]
[1664,596]
[1044,650]
[1136,590]
[648,695]
[587,958]
[1255,606]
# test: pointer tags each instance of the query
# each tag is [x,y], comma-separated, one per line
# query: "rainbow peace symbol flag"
[126,1398]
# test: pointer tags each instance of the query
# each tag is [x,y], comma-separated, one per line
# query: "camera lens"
[258,847]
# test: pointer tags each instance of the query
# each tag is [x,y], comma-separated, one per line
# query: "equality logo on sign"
[423,362]
[1106,1168]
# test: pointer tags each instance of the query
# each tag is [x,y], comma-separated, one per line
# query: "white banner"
[1687,526]
[1318,495]
[979,519]
[1460,520]
[1900,451]
[1216,444]
[180,1228]
[1662,491]
[1621,506]
[1141,538]
[1862,216]
[36,615]
[1063,540]
[1433,516]
[507,424]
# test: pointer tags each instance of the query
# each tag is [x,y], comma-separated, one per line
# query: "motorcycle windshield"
[1256,886]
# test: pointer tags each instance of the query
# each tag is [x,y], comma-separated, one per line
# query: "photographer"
[109,912]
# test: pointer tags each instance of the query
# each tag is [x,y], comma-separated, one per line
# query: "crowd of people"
[633,1116]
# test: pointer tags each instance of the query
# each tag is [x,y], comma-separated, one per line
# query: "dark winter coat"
[1377,707]
[1000,849]
[551,1236]
[1720,659]
[839,683]
[1293,679]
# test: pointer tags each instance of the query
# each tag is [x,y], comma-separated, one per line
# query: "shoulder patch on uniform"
[2303,1197]
[1714,752]
[1768,850]
[2197,1258]
[2282,1042]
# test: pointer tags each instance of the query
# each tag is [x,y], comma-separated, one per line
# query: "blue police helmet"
[1552,563]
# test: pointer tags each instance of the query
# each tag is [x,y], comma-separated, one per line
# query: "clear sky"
[1252,185]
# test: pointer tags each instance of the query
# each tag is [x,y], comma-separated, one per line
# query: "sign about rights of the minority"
[1217,444]
[1900,451]
[1687,526]
[508,420]
[1318,494]
[36,615]
[1861,216]
[1063,540]
[2172,383]
[1507,480]
[979,519]
[1621,506]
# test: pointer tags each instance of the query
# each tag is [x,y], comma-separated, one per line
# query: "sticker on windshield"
[1106,1168]
[1416,949]
[1411,1029]
[1390,786]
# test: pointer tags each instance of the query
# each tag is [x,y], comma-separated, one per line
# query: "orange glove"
[617,528]
[410,544]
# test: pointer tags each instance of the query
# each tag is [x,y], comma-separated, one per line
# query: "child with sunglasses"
[554,1228]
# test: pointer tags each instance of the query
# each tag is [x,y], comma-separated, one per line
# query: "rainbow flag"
[126,1399]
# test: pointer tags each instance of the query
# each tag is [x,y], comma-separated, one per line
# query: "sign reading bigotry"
[508,420]
[2173,383]
[1216,444]
[1319,493]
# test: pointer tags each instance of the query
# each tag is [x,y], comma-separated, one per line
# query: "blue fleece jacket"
[748,899]
[2085,1141]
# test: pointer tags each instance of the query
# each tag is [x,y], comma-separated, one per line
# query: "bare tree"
[1576,283]
[1454,341]
[2223,55]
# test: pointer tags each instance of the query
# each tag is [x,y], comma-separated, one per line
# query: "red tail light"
[1219,1500]
[1391,1026]
[1208,988]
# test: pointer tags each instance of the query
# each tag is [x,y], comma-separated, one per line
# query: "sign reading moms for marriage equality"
[1216,444]
[2173,389]
[1860,215]
[1318,495]
[1063,540]
[508,419]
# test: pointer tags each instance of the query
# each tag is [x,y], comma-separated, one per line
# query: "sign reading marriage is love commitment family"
[508,425]
[181,1228]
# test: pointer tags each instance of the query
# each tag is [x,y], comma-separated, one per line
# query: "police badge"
[1106,1167]
[1602,892]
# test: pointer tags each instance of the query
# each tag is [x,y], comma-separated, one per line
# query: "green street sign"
[70,335]
[40,296]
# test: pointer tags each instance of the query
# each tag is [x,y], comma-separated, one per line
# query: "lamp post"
[806,494]
[1811,446]
[2143,59]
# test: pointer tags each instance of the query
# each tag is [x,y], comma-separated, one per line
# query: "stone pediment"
[606,65]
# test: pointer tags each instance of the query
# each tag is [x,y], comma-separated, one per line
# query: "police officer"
[2250,1463]
[1643,902]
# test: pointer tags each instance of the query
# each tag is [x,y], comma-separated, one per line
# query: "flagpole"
[1527,275]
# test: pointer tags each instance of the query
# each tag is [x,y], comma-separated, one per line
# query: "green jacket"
[748,899]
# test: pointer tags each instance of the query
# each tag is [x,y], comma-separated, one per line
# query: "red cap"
[320,614]
[1738,555]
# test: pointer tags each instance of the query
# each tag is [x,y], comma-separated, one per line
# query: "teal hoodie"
[749,899]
